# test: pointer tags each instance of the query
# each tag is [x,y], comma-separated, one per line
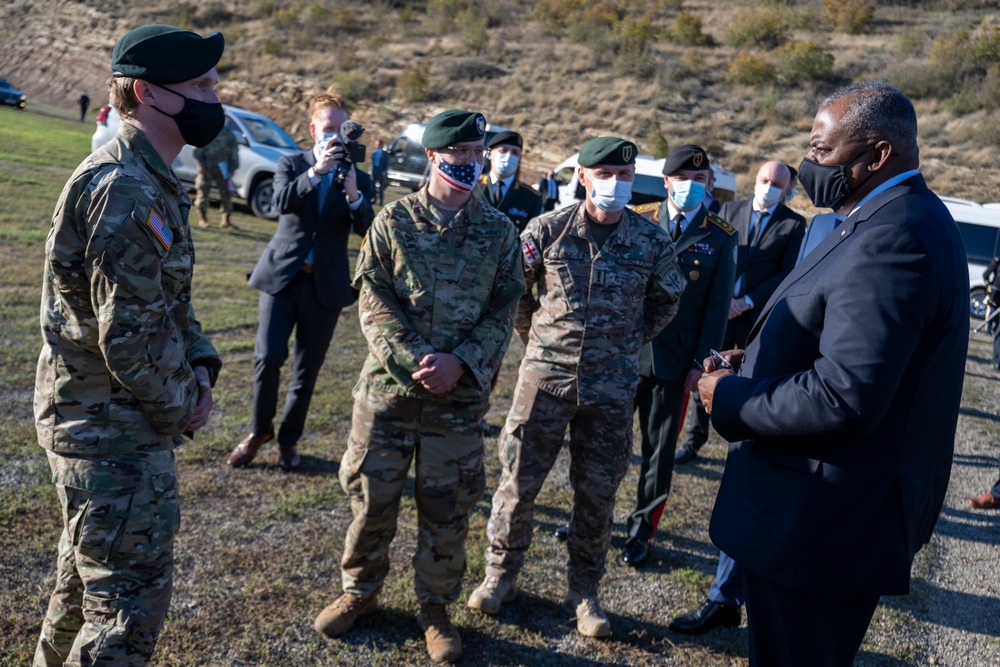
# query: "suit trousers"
[600,446]
[296,307]
[728,585]
[790,629]
[661,415]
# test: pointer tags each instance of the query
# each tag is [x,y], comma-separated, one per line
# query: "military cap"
[687,156]
[452,127]
[607,150]
[164,54]
[506,137]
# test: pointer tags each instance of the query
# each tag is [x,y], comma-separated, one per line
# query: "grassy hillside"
[741,78]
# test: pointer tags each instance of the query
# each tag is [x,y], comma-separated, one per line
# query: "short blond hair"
[327,101]
[122,96]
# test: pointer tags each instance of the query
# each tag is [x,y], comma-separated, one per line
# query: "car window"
[980,242]
[265,132]
[564,175]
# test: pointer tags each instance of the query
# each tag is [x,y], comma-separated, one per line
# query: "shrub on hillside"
[657,144]
[592,25]
[687,30]
[556,15]
[798,61]
[354,86]
[964,64]
[632,41]
[475,37]
[750,69]
[851,16]
[414,84]
[757,29]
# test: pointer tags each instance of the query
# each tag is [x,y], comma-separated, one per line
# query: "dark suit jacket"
[843,420]
[705,254]
[520,203]
[301,226]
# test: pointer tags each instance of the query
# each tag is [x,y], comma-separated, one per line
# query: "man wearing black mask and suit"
[843,414]
[304,276]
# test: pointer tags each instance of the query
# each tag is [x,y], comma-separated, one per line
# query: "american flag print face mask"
[462,177]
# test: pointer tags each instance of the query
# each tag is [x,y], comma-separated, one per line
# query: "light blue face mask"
[687,194]
[505,164]
[790,196]
[609,194]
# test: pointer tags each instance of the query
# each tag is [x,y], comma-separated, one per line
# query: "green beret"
[452,127]
[164,54]
[687,156]
[506,137]
[607,150]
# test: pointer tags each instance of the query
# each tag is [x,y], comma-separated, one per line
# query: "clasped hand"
[439,372]
[715,372]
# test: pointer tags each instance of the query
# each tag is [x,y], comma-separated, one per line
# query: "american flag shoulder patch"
[530,251]
[159,229]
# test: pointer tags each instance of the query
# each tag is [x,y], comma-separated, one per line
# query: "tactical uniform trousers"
[600,447]
[661,407]
[114,573]
[204,182]
[445,439]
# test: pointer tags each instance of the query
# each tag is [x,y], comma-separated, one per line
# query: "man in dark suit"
[843,417]
[304,276]
[705,245]
[548,187]
[770,236]
[501,189]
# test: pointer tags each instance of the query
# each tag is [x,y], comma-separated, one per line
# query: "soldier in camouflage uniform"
[607,281]
[440,277]
[124,370]
[217,162]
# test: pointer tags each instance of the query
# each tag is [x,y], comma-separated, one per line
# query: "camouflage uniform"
[427,285]
[114,389]
[594,310]
[222,149]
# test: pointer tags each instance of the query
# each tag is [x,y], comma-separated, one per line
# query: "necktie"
[324,187]
[755,227]
[499,194]
[675,233]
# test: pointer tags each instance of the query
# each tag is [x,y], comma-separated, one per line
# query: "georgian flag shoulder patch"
[159,229]
[530,250]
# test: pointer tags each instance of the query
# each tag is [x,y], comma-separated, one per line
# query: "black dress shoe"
[709,615]
[688,451]
[288,458]
[562,533]
[635,552]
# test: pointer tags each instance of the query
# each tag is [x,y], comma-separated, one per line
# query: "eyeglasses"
[465,153]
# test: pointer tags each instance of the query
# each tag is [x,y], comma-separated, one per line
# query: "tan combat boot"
[590,620]
[225,224]
[202,219]
[492,593]
[443,641]
[338,618]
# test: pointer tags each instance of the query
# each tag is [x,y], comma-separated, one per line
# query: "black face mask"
[826,184]
[199,122]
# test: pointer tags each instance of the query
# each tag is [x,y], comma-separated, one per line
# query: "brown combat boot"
[202,220]
[247,448]
[590,618]
[443,641]
[225,224]
[339,617]
[492,593]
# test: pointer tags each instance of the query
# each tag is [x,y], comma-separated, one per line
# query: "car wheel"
[977,302]
[262,198]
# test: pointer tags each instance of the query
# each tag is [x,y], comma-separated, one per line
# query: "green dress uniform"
[223,150]
[520,202]
[706,254]
[428,283]
[595,307]
[113,392]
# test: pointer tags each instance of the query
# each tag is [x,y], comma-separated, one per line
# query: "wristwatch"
[748,301]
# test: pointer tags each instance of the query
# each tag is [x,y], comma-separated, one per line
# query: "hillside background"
[741,78]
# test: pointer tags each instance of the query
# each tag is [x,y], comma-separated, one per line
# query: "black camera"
[354,152]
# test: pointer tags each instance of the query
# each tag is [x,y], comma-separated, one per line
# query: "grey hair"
[877,110]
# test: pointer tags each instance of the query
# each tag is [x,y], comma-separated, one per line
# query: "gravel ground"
[959,594]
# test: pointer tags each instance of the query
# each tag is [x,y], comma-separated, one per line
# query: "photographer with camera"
[304,274]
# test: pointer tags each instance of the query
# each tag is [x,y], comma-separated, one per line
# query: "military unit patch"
[159,229]
[530,251]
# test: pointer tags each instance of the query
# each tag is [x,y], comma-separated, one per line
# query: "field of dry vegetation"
[740,77]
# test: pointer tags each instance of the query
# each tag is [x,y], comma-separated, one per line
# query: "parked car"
[11,95]
[648,184]
[261,144]
[980,227]
[407,159]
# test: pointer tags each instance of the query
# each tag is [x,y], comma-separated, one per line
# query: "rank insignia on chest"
[159,229]
[518,212]
[701,249]
[530,250]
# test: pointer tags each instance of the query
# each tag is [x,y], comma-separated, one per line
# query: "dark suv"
[11,95]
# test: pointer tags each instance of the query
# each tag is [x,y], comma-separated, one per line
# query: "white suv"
[262,142]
